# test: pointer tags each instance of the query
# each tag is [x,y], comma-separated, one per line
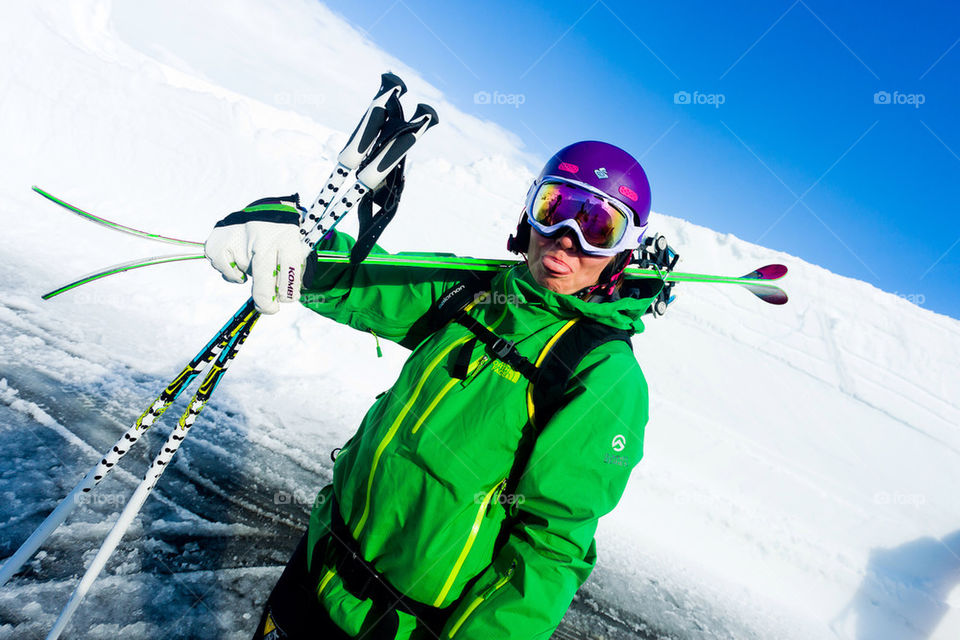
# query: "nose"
[566,240]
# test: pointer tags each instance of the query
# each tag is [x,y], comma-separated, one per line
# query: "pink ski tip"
[768,272]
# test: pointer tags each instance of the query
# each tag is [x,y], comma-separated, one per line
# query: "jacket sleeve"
[577,472]
[386,300]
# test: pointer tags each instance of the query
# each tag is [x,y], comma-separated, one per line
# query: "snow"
[801,461]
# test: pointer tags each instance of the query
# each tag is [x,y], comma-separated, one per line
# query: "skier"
[466,503]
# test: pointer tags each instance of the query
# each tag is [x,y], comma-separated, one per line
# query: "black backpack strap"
[452,307]
[450,304]
[555,367]
[546,393]
[363,581]
[558,361]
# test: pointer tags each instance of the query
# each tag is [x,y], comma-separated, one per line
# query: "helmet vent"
[627,192]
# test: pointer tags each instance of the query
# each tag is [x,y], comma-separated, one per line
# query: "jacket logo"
[504,370]
[460,287]
[620,461]
[619,443]
[601,173]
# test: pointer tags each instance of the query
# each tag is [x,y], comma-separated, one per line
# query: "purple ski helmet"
[597,166]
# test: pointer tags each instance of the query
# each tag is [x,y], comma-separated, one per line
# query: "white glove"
[264,242]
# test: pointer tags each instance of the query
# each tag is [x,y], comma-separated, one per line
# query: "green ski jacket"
[420,483]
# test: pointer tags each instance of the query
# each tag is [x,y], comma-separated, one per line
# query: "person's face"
[558,264]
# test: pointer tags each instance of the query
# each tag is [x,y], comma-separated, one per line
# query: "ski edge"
[116,226]
[119,268]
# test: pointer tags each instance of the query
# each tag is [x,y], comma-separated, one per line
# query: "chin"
[553,284]
[548,280]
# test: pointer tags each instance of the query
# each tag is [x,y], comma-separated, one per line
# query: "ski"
[759,281]
[656,259]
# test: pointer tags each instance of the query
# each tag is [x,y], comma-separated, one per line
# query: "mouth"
[555,266]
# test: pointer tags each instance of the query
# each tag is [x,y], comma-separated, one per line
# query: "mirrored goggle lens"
[602,224]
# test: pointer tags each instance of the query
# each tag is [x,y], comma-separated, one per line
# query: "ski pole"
[386,155]
[96,474]
[385,103]
[160,462]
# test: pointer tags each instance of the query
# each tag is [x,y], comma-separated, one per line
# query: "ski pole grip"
[394,151]
[364,136]
[390,81]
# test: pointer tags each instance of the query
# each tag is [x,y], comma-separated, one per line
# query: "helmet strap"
[520,242]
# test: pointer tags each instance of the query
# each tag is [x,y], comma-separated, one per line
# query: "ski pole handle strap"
[387,197]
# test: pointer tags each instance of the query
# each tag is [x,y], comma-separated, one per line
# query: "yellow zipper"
[474,366]
[396,424]
[434,403]
[406,408]
[486,593]
[326,578]
[543,354]
[477,521]
[474,370]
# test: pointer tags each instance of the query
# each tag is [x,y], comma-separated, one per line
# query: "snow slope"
[801,462]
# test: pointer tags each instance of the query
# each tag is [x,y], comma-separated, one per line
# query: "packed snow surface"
[801,462]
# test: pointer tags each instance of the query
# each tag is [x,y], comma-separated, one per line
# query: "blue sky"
[826,130]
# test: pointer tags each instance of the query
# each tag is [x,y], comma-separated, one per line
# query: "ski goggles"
[603,226]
